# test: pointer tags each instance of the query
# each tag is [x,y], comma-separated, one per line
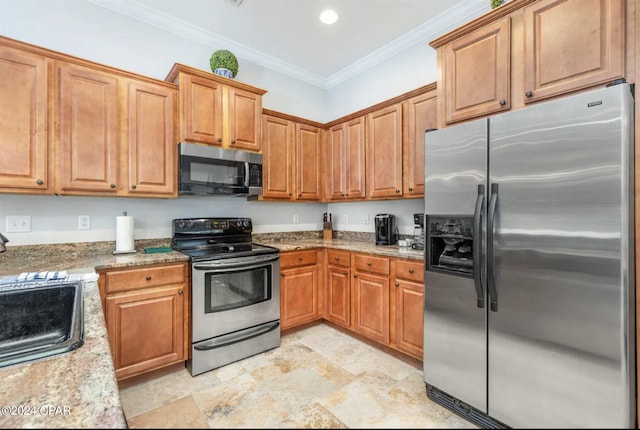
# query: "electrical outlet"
[366,219]
[18,224]
[345,219]
[296,220]
[84,222]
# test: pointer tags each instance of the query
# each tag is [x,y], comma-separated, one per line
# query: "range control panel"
[212,226]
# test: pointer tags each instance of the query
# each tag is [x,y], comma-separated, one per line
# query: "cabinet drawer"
[298,258]
[339,258]
[368,263]
[143,277]
[410,270]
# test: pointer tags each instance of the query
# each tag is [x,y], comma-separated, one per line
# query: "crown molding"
[447,21]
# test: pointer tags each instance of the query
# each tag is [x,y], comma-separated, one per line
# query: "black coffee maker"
[386,229]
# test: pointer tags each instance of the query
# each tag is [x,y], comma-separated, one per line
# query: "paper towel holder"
[127,251]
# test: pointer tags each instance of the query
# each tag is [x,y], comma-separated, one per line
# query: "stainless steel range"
[235,283]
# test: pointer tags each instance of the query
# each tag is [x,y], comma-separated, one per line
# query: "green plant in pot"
[496,3]
[224,63]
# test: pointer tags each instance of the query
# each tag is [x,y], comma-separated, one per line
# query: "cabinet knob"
[233,142]
[410,270]
[299,258]
[180,292]
[133,187]
[219,140]
[347,195]
[503,102]
[337,258]
[300,195]
[343,194]
[112,185]
[398,191]
[397,284]
[148,278]
[39,182]
[289,194]
[355,275]
[346,273]
[369,263]
[528,94]
[410,189]
[282,274]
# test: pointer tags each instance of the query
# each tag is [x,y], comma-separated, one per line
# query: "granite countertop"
[77,389]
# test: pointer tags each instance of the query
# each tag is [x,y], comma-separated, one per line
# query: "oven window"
[231,290]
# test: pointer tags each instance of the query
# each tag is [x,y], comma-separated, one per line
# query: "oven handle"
[246,174]
[231,338]
[221,265]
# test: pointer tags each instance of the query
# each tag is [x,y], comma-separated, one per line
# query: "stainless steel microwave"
[209,170]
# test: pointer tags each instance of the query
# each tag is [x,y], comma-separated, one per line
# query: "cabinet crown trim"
[182,68]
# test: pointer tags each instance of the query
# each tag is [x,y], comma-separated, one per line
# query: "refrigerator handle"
[491,282]
[477,247]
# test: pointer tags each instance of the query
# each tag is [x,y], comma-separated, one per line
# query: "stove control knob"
[190,224]
[245,223]
[181,225]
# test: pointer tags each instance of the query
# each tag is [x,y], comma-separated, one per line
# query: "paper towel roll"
[124,234]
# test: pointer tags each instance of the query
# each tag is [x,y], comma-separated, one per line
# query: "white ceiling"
[287,36]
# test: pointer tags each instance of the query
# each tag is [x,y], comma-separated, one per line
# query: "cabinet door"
[201,110]
[337,162]
[298,296]
[277,158]
[421,116]
[355,159]
[307,162]
[245,120]
[371,306]
[23,121]
[145,329]
[152,140]
[384,152]
[88,130]
[338,303]
[477,72]
[572,44]
[409,317]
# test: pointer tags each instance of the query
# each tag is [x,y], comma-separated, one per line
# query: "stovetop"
[216,238]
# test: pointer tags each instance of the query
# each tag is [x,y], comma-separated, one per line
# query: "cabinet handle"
[528,94]
[343,194]
[282,274]
[133,187]
[398,191]
[346,273]
[337,258]
[219,140]
[233,142]
[180,292]
[397,284]
[369,263]
[410,270]
[347,195]
[410,189]
[355,275]
[289,194]
[112,185]
[299,258]
[503,102]
[148,277]
[39,182]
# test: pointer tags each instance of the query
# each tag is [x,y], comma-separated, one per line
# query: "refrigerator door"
[454,326]
[561,346]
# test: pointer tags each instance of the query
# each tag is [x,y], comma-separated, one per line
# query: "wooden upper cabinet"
[200,110]
[572,44]
[421,116]
[245,110]
[88,118]
[307,162]
[217,111]
[152,139]
[277,158]
[384,152]
[23,122]
[347,160]
[477,72]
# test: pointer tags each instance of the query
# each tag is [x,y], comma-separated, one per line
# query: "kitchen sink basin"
[39,320]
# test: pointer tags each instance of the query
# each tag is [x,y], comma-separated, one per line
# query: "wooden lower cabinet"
[146,311]
[370,294]
[338,291]
[407,298]
[299,294]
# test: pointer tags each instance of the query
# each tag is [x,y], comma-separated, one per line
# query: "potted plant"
[496,3]
[224,63]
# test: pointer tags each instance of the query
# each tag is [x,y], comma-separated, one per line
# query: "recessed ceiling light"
[329,16]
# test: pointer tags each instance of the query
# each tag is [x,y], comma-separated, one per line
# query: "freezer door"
[454,326]
[561,347]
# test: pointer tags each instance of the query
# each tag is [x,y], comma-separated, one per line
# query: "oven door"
[234,293]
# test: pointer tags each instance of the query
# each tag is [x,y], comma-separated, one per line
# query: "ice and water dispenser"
[450,244]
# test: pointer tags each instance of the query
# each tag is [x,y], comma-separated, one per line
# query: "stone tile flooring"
[318,378]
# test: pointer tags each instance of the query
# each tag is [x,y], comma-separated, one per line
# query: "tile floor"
[318,378]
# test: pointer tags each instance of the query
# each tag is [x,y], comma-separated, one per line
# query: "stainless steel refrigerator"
[529,303]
